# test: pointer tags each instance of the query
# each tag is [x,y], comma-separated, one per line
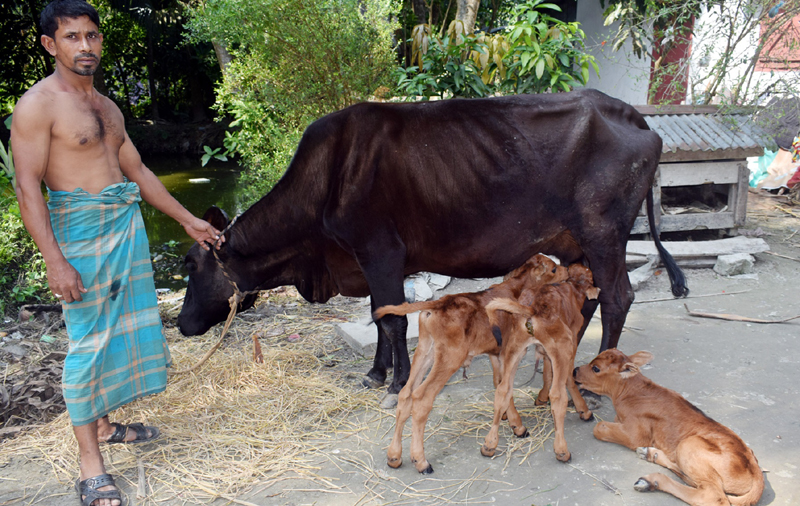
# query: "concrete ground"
[741,374]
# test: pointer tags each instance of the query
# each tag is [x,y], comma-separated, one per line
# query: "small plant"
[7,160]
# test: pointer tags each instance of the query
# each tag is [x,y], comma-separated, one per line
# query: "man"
[91,236]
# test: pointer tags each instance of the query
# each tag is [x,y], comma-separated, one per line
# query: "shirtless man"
[71,137]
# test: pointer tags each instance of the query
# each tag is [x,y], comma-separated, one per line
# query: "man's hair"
[65,9]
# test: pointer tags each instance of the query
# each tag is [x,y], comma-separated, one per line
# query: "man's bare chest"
[86,125]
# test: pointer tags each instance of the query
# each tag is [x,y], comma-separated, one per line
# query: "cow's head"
[605,374]
[207,295]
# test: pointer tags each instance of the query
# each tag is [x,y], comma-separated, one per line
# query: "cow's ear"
[217,217]
[641,358]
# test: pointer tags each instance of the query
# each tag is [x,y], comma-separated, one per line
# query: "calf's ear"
[592,293]
[641,358]
[629,370]
[217,217]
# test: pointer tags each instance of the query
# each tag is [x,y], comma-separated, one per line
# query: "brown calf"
[664,428]
[452,331]
[550,318]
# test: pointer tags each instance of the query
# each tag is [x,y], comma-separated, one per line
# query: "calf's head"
[607,372]
[207,296]
[539,269]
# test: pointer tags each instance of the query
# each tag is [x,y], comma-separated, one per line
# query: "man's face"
[77,45]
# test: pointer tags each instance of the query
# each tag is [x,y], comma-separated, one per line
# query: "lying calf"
[666,429]
[452,331]
[550,318]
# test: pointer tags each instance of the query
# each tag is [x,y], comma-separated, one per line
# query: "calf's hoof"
[592,400]
[524,433]
[487,452]
[389,401]
[394,462]
[586,416]
[564,457]
[538,402]
[643,485]
[423,467]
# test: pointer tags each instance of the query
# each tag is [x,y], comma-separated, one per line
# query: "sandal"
[88,493]
[121,430]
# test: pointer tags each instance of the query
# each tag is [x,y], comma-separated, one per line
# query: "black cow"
[465,188]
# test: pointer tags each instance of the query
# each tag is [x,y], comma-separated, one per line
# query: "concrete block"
[362,335]
[734,265]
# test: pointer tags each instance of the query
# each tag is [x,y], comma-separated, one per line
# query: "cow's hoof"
[394,463]
[389,401]
[369,382]
[487,452]
[564,457]
[643,485]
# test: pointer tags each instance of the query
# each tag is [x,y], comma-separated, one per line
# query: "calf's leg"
[503,394]
[559,358]
[511,414]
[704,495]
[423,358]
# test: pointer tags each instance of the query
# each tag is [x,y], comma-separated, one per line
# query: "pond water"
[197,188]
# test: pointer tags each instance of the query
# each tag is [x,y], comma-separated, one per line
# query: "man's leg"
[91,459]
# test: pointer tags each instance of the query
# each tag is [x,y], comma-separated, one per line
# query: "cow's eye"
[595,369]
[191,266]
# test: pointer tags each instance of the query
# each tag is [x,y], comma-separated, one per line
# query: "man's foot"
[133,433]
[98,491]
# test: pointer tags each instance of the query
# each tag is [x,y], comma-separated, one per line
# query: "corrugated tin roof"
[707,136]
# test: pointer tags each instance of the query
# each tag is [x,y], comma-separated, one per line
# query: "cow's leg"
[423,358]
[382,264]
[607,262]
[376,376]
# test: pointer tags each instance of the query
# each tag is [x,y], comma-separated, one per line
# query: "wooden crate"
[732,174]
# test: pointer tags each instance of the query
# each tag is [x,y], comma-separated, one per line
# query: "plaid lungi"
[117,352]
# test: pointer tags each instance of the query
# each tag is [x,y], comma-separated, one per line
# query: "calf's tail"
[507,305]
[676,277]
[404,308]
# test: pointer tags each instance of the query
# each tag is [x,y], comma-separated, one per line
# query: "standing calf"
[452,331]
[549,317]
[664,428]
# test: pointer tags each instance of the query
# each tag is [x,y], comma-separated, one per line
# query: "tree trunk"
[99,81]
[151,80]
[420,11]
[223,56]
[467,13]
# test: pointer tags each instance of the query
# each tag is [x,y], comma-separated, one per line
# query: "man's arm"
[30,143]
[154,193]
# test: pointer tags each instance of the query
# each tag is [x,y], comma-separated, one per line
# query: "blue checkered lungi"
[117,351]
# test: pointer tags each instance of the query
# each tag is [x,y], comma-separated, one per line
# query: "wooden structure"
[702,146]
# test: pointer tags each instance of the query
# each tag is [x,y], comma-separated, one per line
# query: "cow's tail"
[676,277]
[404,308]
[507,305]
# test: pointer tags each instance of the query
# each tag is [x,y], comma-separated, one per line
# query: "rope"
[234,301]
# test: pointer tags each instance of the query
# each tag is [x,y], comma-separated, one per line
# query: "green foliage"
[294,61]
[536,54]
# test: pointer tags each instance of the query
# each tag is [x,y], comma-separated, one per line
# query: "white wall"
[622,74]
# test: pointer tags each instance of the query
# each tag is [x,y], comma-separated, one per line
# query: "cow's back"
[473,187]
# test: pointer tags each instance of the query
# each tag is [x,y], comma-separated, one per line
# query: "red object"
[672,86]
